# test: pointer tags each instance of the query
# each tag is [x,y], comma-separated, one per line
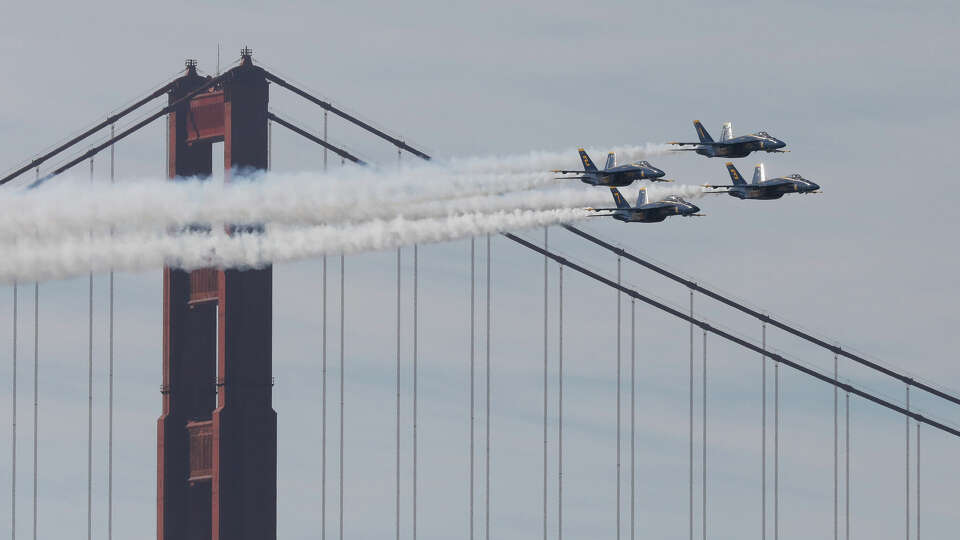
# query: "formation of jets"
[613,176]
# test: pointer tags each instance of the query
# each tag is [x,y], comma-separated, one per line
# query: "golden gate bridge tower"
[217,435]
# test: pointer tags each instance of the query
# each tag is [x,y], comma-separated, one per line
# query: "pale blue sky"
[863,92]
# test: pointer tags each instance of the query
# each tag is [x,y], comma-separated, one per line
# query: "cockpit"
[763,134]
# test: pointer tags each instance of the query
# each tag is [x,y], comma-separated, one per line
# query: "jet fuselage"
[655,212]
[742,146]
[774,188]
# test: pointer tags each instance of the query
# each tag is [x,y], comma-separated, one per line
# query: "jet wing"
[566,172]
[572,177]
[743,186]
[605,209]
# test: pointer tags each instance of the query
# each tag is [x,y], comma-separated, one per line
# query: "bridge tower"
[217,435]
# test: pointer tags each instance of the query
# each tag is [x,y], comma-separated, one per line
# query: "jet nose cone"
[656,173]
[813,186]
[693,209]
[779,143]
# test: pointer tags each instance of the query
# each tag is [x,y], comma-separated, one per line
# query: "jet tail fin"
[727,132]
[587,162]
[611,161]
[642,197]
[735,175]
[618,198]
[759,174]
[702,132]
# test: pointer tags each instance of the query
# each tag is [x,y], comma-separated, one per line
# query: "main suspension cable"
[779,359]
[110,121]
[764,317]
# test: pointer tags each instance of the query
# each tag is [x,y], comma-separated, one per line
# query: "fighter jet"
[730,146]
[613,175]
[647,212]
[761,188]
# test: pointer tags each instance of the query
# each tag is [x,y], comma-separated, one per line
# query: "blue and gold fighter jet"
[647,212]
[613,175]
[730,146]
[763,189]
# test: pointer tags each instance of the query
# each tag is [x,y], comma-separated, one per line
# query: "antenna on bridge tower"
[190,64]
[218,58]
[246,55]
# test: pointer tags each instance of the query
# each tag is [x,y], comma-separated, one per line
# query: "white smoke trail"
[546,160]
[33,260]
[77,209]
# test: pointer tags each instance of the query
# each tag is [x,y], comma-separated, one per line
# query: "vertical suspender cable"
[846,468]
[618,398]
[398,393]
[325,140]
[633,422]
[545,333]
[704,487]
[776,451]
[342,309]
[90,399]
[36,401]
[691,416]
[918,480]
[836,459]
[323,405]
[36,378]
[416,282]
[110,375]
[486,468]
[560,408]
[763,436]
[907,455]
[13,427]
[473,267]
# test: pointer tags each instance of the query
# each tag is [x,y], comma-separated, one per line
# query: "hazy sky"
[863,92]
